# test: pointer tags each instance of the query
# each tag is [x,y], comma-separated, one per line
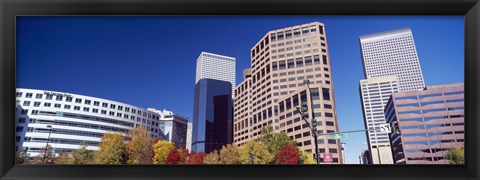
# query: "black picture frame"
[11,8]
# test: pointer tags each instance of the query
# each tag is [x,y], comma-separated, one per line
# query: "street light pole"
[46,146]
[307,82]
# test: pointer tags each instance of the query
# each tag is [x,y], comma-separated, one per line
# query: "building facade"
[365,158]
[189,136]
[212,115]
[375,93]
[173,126]
[392,53]
[215,66]
[430,122]
[74,119]
[280,62]
[390,64]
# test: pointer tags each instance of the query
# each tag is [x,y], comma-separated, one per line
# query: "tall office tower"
[212,115]
[280,62]
[375,93]
[214,66]
[173,126]
[365,157]
[390,64]
[429,123]
[392,53]
[189,137]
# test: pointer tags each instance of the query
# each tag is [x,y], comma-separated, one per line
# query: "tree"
[42,158]
[63,158]
[288,155]
[112,149]
[456,155]
[173,157]
[83,155]
[195,158]
[274,141]
[229,154]
[256,152]
[307,158]
[139,148]
[160,151]
[212,158]
[23,157]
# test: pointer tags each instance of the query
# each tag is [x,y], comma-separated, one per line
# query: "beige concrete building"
[280,62]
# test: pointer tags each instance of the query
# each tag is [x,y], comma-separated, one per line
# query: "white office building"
[392,53]
[173,126]
[218,67]
[71,119]
[189,136]
[375,93]
[390,64]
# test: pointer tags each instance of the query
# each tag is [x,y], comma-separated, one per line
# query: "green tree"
[83,155]
[456,155]
[112,149]
[258,151]
[229,154]
[63,158]
[212,158]
[274,141]
[139,147]
[160,151]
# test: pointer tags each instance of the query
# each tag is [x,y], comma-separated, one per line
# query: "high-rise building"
[344,157]
[280,62]
[214,66]
[212,115]
[173,126]
[392,53]
[375,93]
[189,136]
[426,123]
[390,64]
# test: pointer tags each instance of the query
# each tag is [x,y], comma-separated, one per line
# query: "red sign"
[327,157]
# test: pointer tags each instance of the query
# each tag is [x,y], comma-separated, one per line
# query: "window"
[59,98]
[36,104]
[112,106]
[96,103]
[57,105]
[76,108]
[104,105]
[308,61]
[324,57]
[326,94]
[327,106]
[49,97]
[87,102]
[38,96]
[66,107]
[95,110]
[291,63]
[281,65]
[69,99]
[19,94]
[29,95]
[21,120]
[315,94]
[78,100]
[46,104]
[299,62]
[86,109]
[274,66]
[26,103]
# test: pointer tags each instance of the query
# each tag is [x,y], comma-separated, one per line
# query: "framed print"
[239,89]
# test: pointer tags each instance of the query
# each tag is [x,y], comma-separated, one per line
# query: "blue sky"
[150,61]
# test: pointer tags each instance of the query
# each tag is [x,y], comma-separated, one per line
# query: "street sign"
[385,128]
[337,136]
[327,157]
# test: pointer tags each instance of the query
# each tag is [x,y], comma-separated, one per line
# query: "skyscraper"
[214,66]
[280,62]
[392,53]
[375,93]
[212,115]
[390,65]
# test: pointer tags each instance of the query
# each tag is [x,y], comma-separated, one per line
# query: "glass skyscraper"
[212,115]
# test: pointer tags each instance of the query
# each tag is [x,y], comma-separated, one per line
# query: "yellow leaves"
[160,151]
[112,149]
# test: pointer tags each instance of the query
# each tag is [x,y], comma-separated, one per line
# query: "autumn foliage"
[288,155]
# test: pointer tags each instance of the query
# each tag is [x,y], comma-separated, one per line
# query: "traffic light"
[304,109]
[396,128]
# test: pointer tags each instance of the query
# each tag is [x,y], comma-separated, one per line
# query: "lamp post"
[251,158]
[46,146]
